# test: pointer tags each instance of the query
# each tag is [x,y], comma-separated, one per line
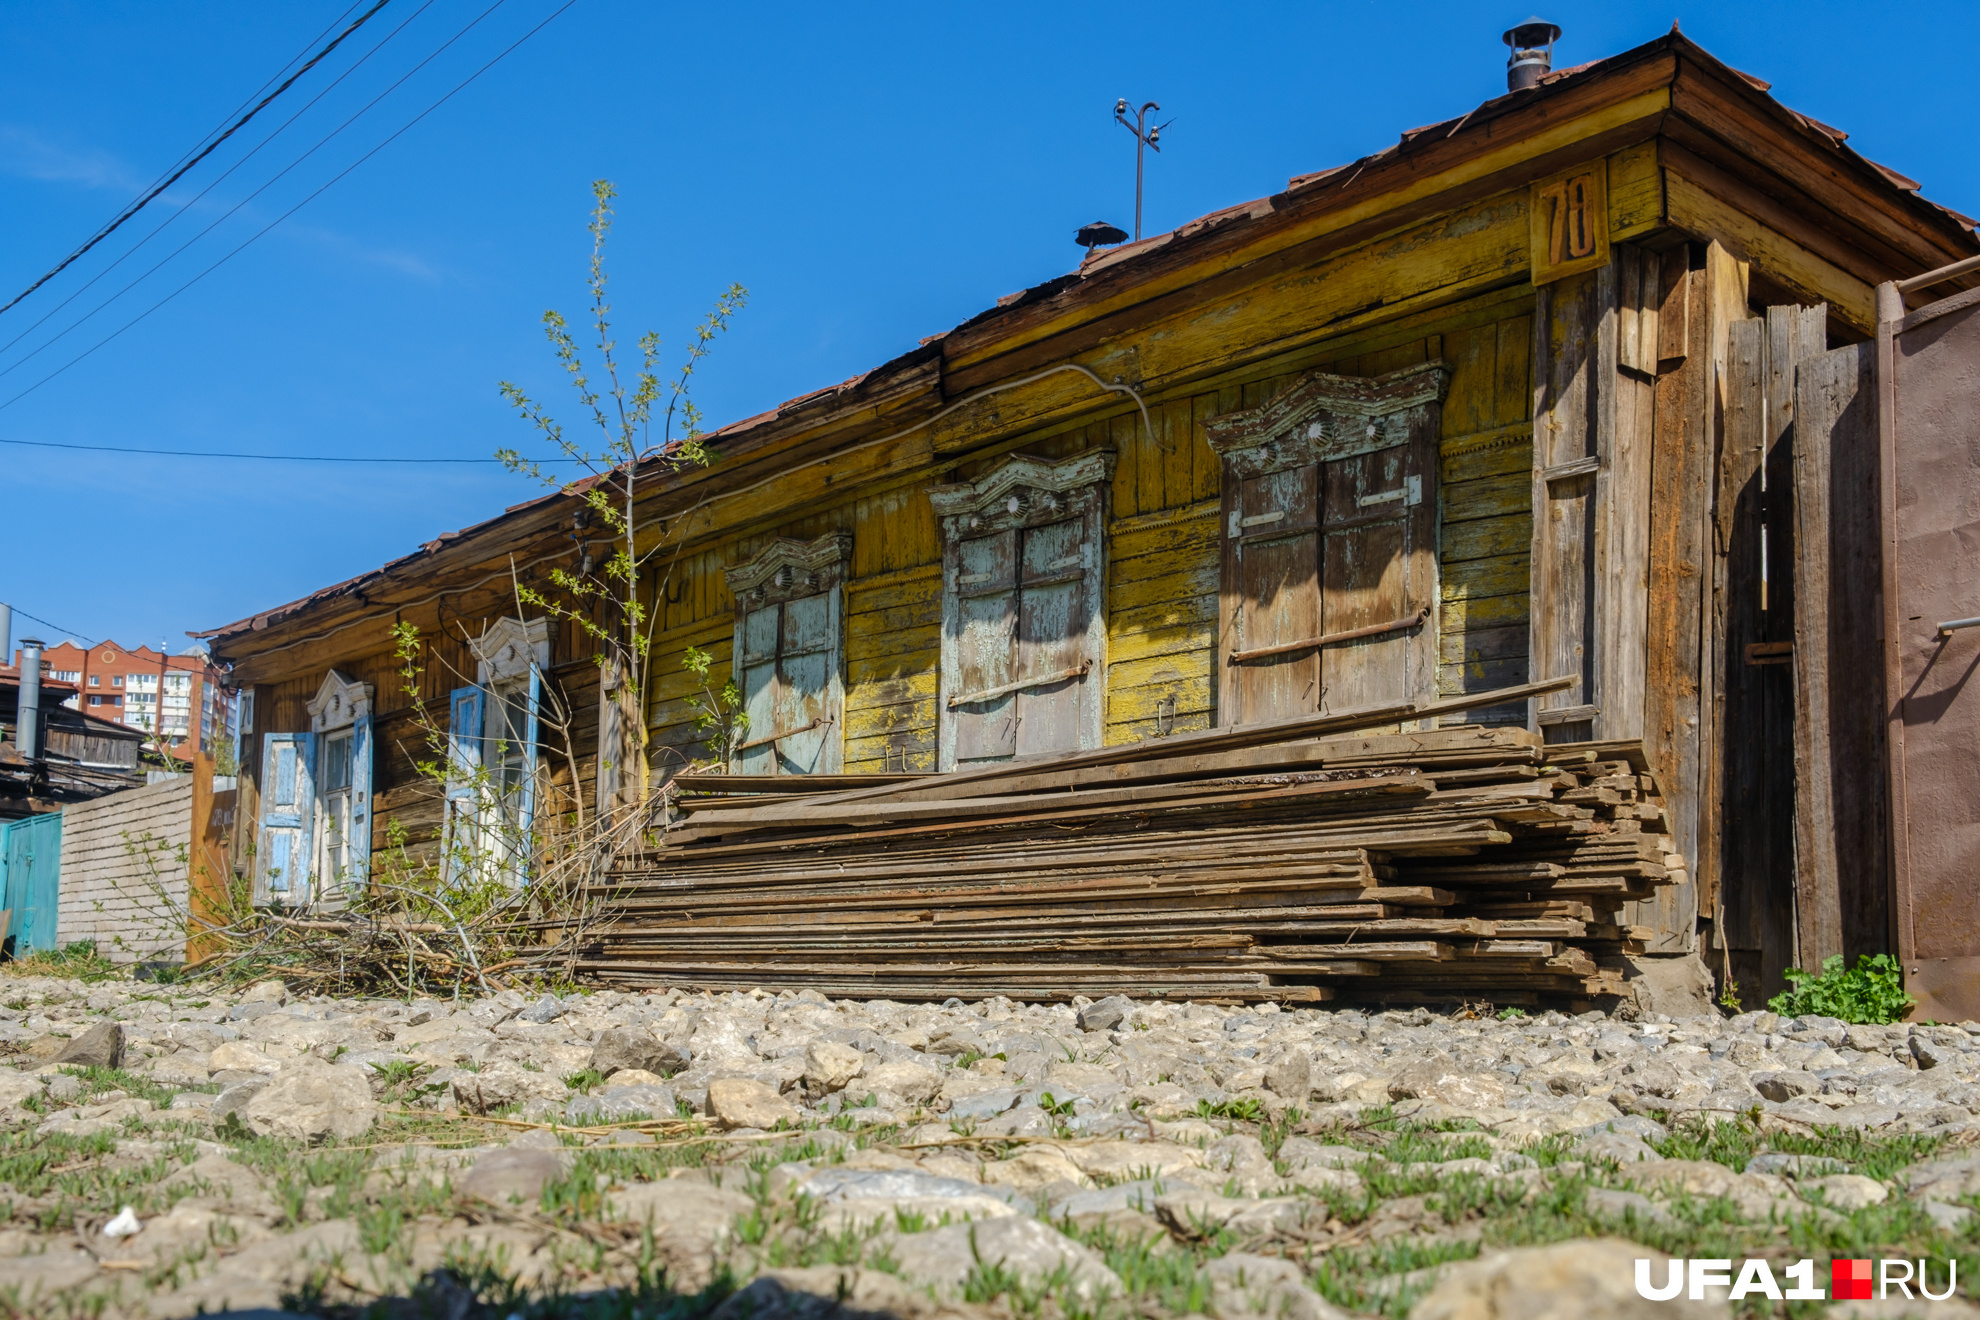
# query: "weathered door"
[34,879]
[987,653]
[1052,611]
[1929,434]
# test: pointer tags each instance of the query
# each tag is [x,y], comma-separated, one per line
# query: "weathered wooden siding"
[404,798]
[1163,552]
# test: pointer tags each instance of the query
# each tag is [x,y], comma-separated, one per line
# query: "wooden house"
[1482,406]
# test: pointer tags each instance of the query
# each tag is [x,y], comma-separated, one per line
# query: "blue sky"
[873,173]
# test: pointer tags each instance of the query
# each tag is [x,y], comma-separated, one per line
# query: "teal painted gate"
[31,860]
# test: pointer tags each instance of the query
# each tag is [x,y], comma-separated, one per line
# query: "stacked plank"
[1463,863]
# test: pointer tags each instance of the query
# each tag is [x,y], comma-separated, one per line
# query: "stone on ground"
[310,1100]
[741,1102]
[943,1258]
[102,1046]
[632,1047]
[1583,1280]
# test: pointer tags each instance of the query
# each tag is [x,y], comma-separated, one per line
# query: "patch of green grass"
[1416,1145]
[1152,1269]
[1734,1142]
[98,1080]
[1244,1109]
[1349,1277]
[78,961]
[71,1176]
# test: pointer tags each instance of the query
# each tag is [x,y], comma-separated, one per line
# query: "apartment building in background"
[143,688]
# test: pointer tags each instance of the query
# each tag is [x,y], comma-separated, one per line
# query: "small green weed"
[1872,992]
[1245,1109]
[585,1080]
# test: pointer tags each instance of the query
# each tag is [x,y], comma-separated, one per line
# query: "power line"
[334,179]
[260,458]
[200,196]
[68,632]
[201,155]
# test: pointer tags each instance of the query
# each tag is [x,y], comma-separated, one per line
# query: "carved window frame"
[1022,492]
[783,572]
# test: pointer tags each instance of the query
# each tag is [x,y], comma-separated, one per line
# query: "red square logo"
[1849,1280]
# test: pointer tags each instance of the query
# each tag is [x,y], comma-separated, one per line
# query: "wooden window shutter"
[789,601]
[1330,563]
[361,813]
[288,819]
[1023,633]
[459,836]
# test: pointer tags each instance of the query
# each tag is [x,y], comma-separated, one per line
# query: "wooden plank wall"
[1842,878]
[1163,553]
[404,797]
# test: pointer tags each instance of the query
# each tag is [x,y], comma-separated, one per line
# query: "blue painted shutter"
[466,708]
[360,842]
[288,815]
[526,809]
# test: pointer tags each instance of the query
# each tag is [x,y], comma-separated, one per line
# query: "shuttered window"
[1022,637]
[494,756]
[1330,589]
[313,845]
[787,656]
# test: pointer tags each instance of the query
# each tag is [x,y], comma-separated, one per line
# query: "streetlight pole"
[1144,137]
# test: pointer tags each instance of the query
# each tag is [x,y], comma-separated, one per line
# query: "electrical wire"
[199,156]
[262,458]
[67,632]
[229,213]
[226,174]
[407,127]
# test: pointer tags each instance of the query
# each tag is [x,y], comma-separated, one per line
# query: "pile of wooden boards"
[1468,864]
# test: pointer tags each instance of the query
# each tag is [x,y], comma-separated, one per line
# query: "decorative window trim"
[338,703]
[508,648]
[784,571]
[1026,491]
[1046,492]
[788,569]
[1325,417]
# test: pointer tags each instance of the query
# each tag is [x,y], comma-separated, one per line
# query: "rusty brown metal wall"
[1929,433]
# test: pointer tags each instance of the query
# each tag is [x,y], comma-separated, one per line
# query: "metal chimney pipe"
[27,727]
[6,633]
[1532,55]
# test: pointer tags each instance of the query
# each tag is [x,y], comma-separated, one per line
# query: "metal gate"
[1928,378]
[31,852]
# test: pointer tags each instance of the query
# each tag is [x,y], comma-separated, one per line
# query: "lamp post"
[1144,137]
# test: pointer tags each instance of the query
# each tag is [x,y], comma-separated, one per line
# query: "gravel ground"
[753,1155]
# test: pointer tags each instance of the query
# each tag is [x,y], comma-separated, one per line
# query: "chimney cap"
[1535,31]
[1099,234]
